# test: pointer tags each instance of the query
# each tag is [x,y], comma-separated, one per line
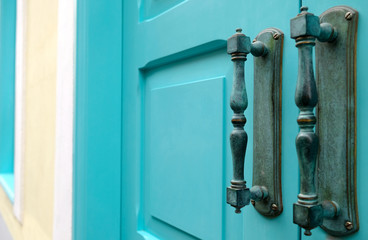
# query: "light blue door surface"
[152,152]
[177,79]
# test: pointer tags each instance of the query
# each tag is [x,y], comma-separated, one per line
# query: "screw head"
[348,16]
[307,232]
[304,9]
[349,225]
[275,36]
[274,207]
[237,210]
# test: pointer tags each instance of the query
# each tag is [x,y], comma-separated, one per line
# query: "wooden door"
[152,153]
[177,79]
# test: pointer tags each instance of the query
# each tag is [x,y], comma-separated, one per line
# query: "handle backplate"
[267,122]
[336,119]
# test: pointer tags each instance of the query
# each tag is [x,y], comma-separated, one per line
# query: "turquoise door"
[177,79]
[152,155]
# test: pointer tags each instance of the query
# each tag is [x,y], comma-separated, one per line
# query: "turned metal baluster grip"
[238,103]
[305,28]
[306,99]
[237,193]
[307,141]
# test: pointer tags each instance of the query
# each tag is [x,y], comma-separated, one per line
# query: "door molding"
[64,121]
[19,110]
[97,120]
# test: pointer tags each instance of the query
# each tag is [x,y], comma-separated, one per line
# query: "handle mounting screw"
[348,16]
[274,207]
[349,225]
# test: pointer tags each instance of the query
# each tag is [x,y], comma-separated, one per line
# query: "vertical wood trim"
[98,120]
[19,110]
[63,197]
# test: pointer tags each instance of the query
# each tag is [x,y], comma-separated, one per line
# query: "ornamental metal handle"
[308,212]
[238,195]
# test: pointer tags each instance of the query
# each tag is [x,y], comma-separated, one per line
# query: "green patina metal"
[336,120]
[266,193]
[238,194]
[304,28]
[267,122]
[332,205]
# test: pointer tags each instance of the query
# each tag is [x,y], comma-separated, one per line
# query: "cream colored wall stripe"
[64,121]
[19,110]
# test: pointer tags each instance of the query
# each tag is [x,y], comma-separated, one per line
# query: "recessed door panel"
[152,8]
[184,141]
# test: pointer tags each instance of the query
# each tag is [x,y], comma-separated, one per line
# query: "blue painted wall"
[7,83]
[7,94]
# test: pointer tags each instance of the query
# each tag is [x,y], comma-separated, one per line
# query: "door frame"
[97,120]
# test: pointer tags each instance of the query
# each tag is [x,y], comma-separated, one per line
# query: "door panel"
[184,146]
[153,8]
[184,139]
[177,80]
